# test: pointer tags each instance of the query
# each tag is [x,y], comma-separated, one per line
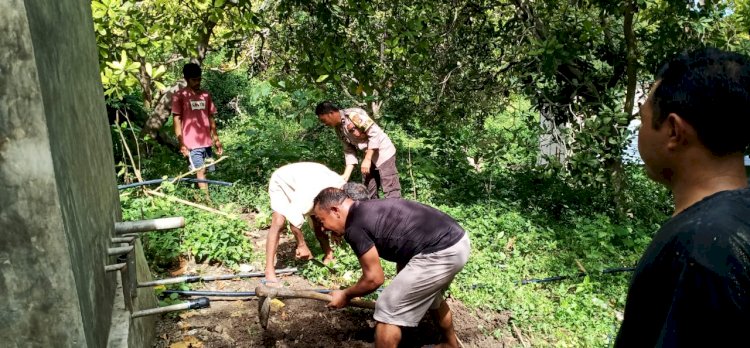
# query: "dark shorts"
[198,157]
[384,177]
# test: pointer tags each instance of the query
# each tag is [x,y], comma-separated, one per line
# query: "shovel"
[266,294]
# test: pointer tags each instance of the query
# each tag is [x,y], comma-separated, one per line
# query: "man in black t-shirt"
[428,247]
[691,286]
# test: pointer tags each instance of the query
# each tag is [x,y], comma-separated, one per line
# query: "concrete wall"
[142,331]
[58,200]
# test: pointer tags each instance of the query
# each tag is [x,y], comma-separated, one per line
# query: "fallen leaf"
[187,342]
[188,314]
[276,305]
[183,325]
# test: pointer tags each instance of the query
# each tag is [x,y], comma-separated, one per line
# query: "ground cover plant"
[511,116]
[524,223]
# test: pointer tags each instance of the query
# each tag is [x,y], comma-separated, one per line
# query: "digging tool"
[266,294]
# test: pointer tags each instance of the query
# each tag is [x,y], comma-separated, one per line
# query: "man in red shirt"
[194,123]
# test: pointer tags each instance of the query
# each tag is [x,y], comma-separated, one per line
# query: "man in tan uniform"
[358,132]
[292,189]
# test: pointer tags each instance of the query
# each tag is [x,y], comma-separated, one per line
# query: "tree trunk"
[163,109]
[631,58]
[203,46]
[616,167]
[145,80]
[161,112]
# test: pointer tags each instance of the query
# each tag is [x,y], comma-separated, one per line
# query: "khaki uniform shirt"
[358,132]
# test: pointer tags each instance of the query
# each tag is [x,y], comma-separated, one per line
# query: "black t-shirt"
[691,287]
[399,229]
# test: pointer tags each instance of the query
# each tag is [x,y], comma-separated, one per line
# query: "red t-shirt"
[194,109]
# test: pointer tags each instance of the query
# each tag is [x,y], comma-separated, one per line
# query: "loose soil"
[233,322]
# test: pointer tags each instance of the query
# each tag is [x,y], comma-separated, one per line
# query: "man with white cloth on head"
[292,189]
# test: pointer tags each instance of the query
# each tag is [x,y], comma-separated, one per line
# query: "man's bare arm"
[367,161]
[215,135]
[347,172]
[178,134]
[372,275]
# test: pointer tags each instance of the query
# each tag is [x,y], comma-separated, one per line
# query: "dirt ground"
[233,322]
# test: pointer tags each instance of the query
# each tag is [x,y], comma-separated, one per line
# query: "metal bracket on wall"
[127,227]
[127,233]
[199,303]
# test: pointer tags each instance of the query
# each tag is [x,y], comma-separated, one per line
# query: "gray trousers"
[384,177]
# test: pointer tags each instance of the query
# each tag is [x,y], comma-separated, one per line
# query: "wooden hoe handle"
[265,291]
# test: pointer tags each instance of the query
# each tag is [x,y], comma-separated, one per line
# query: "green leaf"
[149,70]
[98,13]
[123,58]
[321,78]
[115,65]
[160,71]
[202,4]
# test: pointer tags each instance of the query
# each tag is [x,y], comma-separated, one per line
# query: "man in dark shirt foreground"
[428,247]
[691,285]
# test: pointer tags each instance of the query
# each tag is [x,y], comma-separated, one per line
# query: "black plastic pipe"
[224,293]
[563,277]
[159,181]
[196,278]
[580,274]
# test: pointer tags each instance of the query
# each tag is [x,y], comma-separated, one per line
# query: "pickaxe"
[266,294]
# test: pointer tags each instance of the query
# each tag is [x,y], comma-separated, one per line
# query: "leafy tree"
[139,40]
[441,67]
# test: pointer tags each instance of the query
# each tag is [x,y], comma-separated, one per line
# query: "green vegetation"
[524,221]
[465,89]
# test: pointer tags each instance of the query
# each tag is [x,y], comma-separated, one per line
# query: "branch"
[445,82]
[136,170]
[346,92]
[518,334]
[631,58]
[174,59]
[194,205]
[204,166]
[236,66]
[135,139]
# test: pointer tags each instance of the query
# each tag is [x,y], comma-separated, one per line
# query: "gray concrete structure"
[58,201]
